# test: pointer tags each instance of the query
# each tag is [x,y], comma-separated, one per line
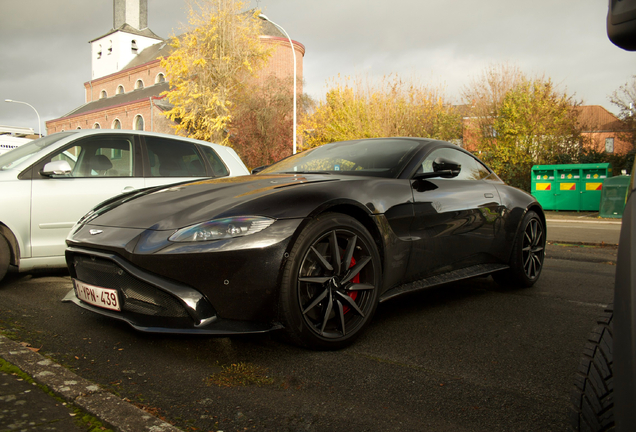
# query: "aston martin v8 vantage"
[309,245]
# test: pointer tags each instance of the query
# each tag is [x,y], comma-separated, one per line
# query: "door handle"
[489,195]
[128,189]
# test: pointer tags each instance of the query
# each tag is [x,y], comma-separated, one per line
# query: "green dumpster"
[568,188]
[573,187]
[542,186]
[593,178]
[614,196]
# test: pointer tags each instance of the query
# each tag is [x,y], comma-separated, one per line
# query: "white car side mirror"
[59,167]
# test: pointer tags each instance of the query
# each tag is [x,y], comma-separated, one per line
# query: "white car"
[48,184]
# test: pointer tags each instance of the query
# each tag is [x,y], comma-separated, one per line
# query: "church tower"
[131,12]
[129,36]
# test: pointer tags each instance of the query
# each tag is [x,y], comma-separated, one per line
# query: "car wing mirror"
[59,167]
[259,169]
[443,168]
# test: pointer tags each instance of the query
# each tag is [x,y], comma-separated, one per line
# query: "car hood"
[180,205]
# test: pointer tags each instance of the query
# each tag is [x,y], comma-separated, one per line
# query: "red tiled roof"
[595,118]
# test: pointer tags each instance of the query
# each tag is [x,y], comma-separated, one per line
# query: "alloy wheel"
[533,248]
[336,283]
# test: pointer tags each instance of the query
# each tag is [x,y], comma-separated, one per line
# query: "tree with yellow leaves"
[219,52]
[356,107]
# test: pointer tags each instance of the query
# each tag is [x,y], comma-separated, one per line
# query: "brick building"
[127,80]
[600,129]
[603,130]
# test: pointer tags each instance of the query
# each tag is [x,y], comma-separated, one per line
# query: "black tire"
[329,290]
[5,256]
[592,407]
[528,253]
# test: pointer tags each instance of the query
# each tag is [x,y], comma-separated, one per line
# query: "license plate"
[101,297]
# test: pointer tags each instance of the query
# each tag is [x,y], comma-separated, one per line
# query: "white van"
[8,142]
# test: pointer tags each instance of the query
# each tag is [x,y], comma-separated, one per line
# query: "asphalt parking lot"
[464,357]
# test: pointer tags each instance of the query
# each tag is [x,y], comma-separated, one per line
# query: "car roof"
[87,132]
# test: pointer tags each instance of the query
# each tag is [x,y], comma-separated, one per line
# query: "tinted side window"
[173,158]
[219,168]
[472,169]
[98,156]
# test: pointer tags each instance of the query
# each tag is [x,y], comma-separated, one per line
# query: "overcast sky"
[45,55]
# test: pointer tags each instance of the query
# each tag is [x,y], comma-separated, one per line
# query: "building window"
[490,132]
[103,94]
[116,124]
[133,47]
[139,123]
[110,47]
[115,154]
[120,89]
[139,84]
[96,126]
[609,145]
[160,78]
[99,51]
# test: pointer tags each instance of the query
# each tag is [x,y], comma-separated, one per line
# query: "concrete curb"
[618,222]
[80,392]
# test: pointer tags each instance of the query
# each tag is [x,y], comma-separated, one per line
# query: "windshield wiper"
[305,172]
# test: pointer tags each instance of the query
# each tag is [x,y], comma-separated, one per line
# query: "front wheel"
[330,285]
[528,253]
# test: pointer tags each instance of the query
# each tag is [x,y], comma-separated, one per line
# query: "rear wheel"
[5,256]
[528,253]
[330,283]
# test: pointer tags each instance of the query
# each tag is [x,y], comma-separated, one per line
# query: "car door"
[455,219]
[102,166]
[173,160]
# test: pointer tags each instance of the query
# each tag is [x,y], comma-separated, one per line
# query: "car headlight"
[219,229]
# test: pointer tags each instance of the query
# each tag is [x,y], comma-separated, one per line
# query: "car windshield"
[372,157]
[13,158]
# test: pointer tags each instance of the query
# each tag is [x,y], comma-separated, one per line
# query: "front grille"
[135,295]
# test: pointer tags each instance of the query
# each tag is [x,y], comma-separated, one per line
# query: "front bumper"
[150,303]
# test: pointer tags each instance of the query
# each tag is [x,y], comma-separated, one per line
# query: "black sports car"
[310,244]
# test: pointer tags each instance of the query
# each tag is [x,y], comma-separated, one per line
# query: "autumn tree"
[216,56]
[483,97]
[625,100]
[356,108]
[262,121]
[534,124]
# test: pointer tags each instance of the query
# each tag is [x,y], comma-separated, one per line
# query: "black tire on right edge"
[5,256]
[592,407]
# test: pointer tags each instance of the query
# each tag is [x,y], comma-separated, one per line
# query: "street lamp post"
[263,17]
[36,113]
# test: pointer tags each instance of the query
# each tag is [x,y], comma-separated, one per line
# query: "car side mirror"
[59,167]
[259,169]
[621,23]
[443,168]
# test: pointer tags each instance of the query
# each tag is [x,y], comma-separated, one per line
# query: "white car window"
[173,158]
[99,157]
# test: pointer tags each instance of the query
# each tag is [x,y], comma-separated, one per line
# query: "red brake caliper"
[355,280]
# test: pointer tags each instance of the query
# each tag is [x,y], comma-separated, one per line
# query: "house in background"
[603,130]
[127,79]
